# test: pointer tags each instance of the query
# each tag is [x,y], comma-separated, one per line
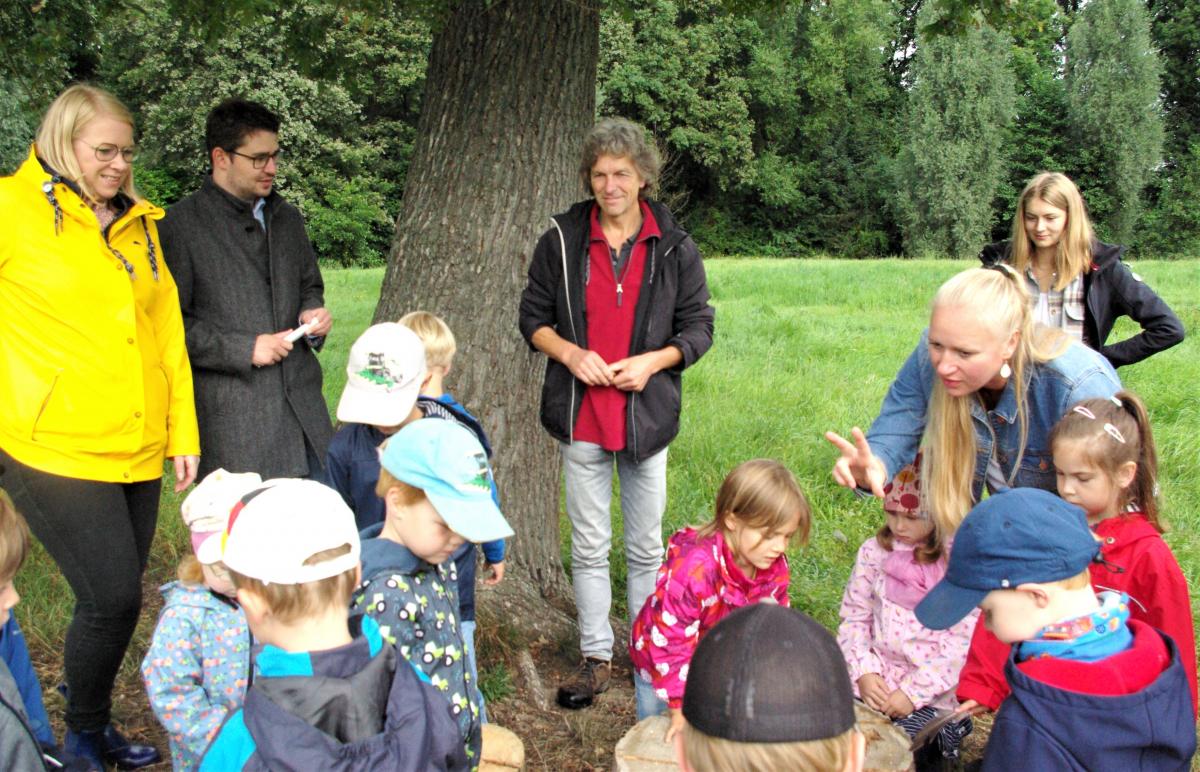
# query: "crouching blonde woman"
[979,394]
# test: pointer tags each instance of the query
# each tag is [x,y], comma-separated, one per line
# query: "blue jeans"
[648,703]
[588,470]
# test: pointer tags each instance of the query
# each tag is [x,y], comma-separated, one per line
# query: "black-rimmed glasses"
[109,152]
[260,160]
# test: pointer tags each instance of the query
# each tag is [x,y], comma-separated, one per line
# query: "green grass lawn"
[801,347]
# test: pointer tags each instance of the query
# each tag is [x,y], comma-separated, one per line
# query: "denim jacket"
[1078,373]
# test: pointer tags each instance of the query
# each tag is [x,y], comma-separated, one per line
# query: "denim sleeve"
[896,433]
[1101,381]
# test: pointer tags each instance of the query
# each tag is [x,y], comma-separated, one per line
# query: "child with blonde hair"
[198,664]
[767,692]
[898,666]
[329,692]
[436,402]
[737,559]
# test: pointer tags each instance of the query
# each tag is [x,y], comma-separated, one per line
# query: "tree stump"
[642,748]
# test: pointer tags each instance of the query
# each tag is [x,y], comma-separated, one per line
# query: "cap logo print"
[377,372]
[481,480]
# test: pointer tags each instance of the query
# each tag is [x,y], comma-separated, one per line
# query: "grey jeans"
[588,470]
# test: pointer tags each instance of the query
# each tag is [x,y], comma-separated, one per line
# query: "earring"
[1005,370]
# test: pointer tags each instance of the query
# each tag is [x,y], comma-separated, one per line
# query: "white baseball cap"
[275,528]
[206,509]
[383,376]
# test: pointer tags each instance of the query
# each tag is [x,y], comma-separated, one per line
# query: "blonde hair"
[1125,414]
[190,571]
[1073,257]
[998,297]
[14,538]
[716,754]
[66,117]
[440,345]
[761,493]
[293,602]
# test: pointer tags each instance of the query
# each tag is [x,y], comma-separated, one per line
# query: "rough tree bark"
[510,93]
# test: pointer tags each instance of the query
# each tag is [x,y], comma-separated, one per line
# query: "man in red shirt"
[618,302]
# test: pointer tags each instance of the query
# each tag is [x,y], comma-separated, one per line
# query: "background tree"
[954,146]
[1112,79]
[509,95]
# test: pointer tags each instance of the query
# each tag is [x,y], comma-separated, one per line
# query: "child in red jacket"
[1107,465]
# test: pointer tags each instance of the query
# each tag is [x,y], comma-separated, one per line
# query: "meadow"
[801,347]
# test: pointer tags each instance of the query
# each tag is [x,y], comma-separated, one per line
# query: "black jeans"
[99,534]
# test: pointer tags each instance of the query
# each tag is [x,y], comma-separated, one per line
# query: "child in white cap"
[198,664]
[328,691]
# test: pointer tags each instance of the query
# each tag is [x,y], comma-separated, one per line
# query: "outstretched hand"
[858,467]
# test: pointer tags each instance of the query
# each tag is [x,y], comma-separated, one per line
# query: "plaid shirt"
[1048,307]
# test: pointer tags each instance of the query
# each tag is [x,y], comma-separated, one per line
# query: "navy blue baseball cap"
[1011,538]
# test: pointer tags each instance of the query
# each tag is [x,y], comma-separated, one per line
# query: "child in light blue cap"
[436,485]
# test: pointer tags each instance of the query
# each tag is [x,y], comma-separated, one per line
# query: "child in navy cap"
[1091,689]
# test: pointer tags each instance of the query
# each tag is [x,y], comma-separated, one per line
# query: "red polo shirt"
[610,328]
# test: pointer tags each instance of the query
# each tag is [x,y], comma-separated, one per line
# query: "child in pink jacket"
[735,560]
[898,666]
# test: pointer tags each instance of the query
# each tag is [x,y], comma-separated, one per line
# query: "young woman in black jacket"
[1079,284]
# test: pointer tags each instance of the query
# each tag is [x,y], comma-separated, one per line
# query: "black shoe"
[107,745]
[591,678]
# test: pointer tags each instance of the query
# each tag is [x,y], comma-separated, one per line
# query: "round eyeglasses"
[109,152]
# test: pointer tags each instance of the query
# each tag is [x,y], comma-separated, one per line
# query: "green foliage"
[1176,31]
[955,143]
[1112,78]
[17,127]
[788,126]
[349,223]
[1172,228]
[683,77]
[347,112]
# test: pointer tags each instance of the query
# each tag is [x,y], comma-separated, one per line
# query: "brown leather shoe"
[591,678]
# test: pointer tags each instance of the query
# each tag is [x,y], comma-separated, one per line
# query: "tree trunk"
[509,96]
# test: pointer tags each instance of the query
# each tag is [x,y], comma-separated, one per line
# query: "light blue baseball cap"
[447,462]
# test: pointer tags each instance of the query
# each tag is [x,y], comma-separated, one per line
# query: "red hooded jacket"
[1142,566]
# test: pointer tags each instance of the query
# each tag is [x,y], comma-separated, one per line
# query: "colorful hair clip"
[1083,411]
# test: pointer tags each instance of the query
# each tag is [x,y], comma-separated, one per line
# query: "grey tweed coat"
[235,283]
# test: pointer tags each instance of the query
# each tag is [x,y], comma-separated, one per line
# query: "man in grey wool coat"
[248,278]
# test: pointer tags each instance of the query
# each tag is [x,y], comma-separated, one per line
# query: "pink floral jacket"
[697,586]
[880,634]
